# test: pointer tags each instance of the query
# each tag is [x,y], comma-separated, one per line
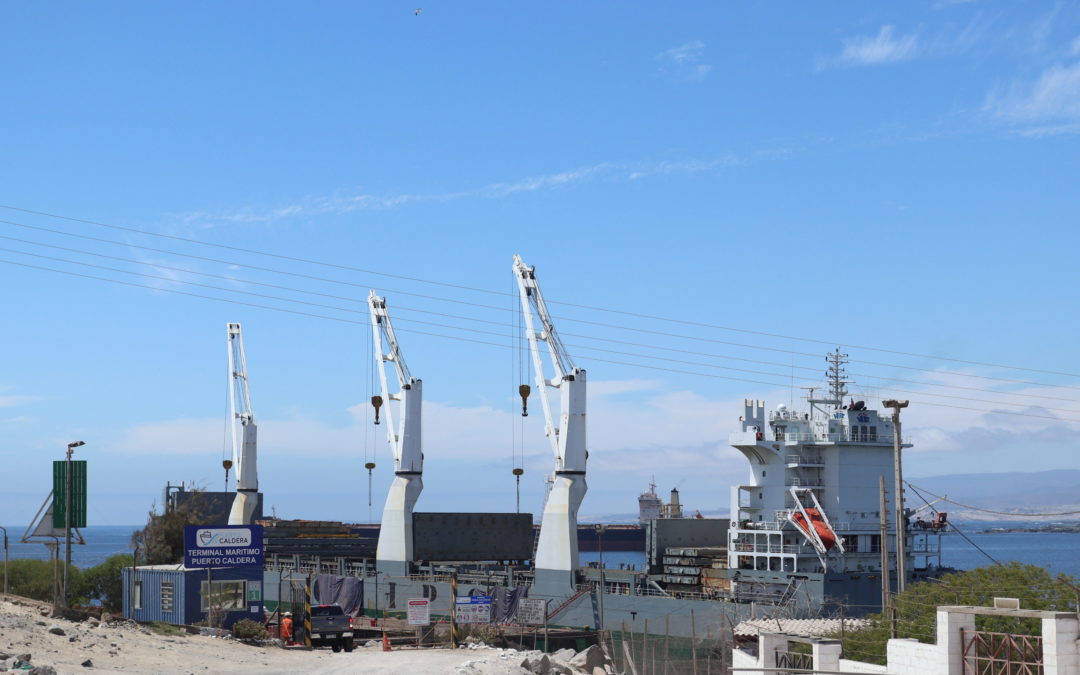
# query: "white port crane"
[395,548]
[242,423]
[557,549]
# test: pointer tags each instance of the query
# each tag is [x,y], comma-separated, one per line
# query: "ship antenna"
[837,375]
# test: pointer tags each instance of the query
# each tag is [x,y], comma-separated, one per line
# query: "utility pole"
[67,516]
[600,545]
[885,585]
[898,496]
[6,572]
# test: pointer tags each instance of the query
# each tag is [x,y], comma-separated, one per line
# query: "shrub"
[246,629]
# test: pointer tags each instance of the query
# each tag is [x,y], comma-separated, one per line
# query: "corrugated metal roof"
[802,627]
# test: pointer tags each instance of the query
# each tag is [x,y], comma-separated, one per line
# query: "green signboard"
[78,493]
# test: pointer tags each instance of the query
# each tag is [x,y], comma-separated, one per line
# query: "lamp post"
[5,560]
[600,546]
[67,516]
[898,496]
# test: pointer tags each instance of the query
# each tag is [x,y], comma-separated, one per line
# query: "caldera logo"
[213,537]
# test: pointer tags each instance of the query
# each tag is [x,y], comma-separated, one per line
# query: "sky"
[714,197]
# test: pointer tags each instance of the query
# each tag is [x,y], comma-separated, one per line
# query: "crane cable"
[999,513]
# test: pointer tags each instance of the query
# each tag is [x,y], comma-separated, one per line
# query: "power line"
[474,330]
[954,527]
[567,304]
[484,342]
[474,319]
[999,513]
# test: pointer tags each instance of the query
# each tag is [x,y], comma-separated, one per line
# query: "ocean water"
[102,541]
[1058,552]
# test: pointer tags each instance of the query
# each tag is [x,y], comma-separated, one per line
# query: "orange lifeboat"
[828,537]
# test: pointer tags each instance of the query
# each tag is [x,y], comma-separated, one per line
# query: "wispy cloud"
[548,181]
[686,60]
[8,400]
[867,50]
[344,203]
[1048,106]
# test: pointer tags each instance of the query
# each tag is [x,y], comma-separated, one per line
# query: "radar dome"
[781,408]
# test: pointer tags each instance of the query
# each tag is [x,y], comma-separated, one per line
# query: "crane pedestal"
[557,549]
[395,549]
[243,507]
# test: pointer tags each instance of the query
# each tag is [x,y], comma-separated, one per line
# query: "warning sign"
[472,609]
[532,612]
[419,612]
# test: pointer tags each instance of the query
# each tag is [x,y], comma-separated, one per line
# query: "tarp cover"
[504,603]
[348,592]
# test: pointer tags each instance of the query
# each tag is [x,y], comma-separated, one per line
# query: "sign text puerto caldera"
[223,546]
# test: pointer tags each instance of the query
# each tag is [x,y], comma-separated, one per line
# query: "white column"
[1059,636]
[826,654]
[949,644]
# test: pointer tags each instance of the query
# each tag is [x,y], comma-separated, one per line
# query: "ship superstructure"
[809,517]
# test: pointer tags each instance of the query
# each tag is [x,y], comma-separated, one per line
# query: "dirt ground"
[129,648]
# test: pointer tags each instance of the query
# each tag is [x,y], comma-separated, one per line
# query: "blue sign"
[473,600]
[223,546]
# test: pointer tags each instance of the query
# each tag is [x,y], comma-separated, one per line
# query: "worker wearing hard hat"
[286,628]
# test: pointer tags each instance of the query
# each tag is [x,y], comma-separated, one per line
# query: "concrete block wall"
[860,667]
[1059,634]
[911,657]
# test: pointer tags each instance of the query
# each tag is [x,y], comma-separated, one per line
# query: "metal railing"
[840,437]
[765,548]
[802,461]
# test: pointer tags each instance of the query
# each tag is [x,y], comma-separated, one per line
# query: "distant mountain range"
[1030,492]
[1010,493]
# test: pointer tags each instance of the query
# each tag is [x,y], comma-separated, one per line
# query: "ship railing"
[675,595]
[800,460]
[766,548]
[807,437]
[844,436]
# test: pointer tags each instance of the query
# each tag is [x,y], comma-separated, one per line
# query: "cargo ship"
[805,532]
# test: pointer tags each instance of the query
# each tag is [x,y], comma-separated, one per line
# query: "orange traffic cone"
[385,642]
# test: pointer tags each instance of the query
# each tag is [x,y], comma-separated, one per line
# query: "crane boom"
[395,547]
[557,549]
[244,431]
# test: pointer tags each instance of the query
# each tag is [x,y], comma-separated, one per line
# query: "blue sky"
[885,177]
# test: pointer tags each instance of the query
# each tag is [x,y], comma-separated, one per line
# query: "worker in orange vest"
[286,628]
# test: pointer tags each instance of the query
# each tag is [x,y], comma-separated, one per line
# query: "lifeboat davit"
[828,537]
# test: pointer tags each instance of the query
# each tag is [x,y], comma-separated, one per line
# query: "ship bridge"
[827,458]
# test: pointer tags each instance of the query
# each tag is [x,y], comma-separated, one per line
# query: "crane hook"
[226,464]
[524,390]
[376,402]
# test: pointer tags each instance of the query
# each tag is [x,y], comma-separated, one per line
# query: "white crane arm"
[241,416]
[404,439]
[568,440]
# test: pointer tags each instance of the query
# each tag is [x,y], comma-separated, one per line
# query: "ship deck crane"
[395,548]
[244,432]
[557,549]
